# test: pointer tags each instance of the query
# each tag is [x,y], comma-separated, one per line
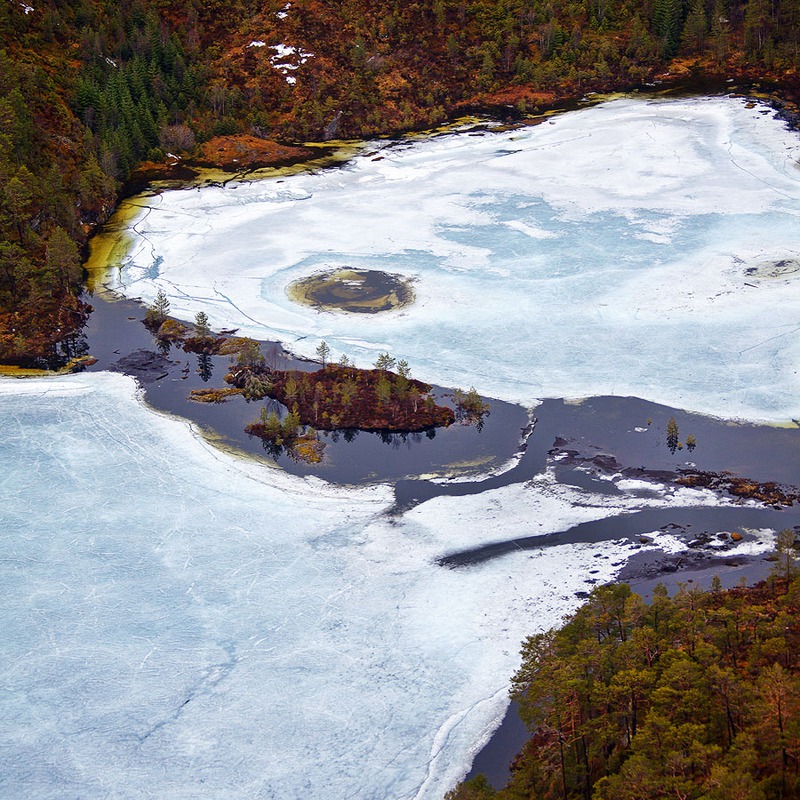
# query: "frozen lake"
[180,623]
[638,247]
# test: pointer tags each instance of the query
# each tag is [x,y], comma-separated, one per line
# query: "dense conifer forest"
[695,696]
[91,88]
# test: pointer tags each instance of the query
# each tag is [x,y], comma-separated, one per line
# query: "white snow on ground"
[284,53]
[286,58]
[179,623]
[628,248]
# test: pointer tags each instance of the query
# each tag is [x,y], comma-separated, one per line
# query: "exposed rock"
[145,365]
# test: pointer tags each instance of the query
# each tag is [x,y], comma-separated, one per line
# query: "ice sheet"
[179,623]
[642,247]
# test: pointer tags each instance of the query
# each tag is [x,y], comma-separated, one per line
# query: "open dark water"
[115,331]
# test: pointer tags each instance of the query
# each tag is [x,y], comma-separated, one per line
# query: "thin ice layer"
[179,623]
[642,247]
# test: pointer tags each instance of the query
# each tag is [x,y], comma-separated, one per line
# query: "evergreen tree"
[250,355]
[323,353]
[720,31]
[672,435]
[695,28]
[786,554]
[667,24]
[201,326]
[157,312]
[63,261]
[384,362]
[383,391]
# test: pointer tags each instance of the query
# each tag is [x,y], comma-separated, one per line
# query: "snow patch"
[286,58]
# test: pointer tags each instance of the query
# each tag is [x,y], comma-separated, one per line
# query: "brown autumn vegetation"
[337,397]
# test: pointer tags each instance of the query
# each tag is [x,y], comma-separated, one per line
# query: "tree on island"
[469,406]
[672,435]
[156,313]
[201,327]
[287,435]
[250,355]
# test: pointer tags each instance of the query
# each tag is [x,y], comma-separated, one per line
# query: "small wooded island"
[338,396]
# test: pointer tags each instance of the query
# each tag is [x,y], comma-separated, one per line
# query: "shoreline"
[243,157]
[293,334]
[120,342]
[495,756]
[586,444]
[583,438]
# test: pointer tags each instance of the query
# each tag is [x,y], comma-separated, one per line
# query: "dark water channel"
[585,443]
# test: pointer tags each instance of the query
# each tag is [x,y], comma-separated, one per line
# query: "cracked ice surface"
[180,623]
[627,248]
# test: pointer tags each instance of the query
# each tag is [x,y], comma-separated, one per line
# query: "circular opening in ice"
[357,291]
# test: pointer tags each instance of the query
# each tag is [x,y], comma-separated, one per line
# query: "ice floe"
[634,247]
